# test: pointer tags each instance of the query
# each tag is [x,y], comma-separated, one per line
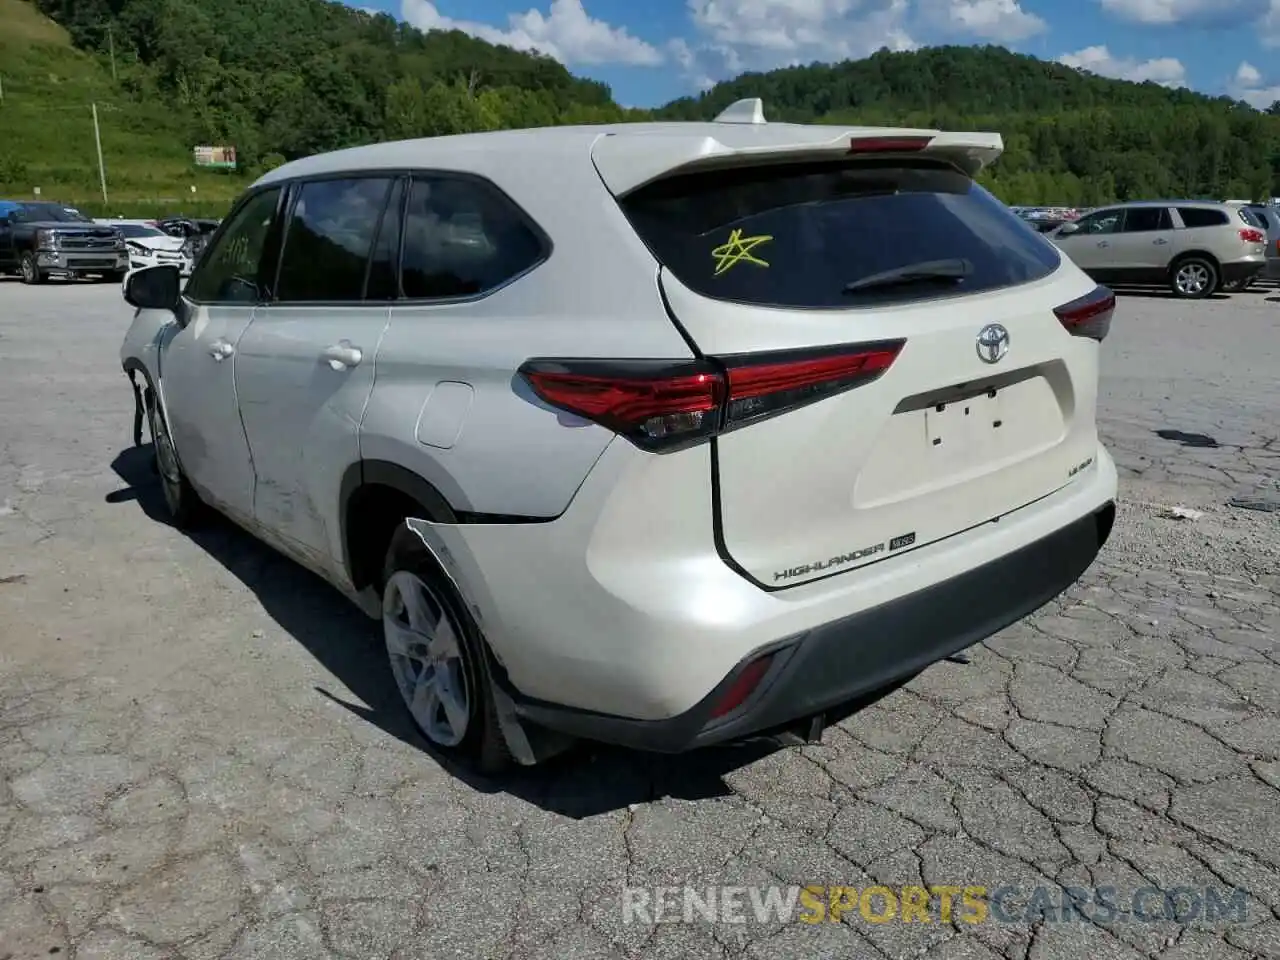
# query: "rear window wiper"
[927,271]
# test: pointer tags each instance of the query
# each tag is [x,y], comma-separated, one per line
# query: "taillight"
[664,404]
[1253,236]
[1090,315]
[887,144]
[760,387]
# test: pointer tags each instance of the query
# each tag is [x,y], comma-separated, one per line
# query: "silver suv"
[1268,216]
[1193,247]
[660,434]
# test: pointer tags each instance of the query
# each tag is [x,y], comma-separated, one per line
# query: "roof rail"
[743,111]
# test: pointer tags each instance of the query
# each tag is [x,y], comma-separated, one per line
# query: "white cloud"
[1269,26]
[1003,21]
[1250,86]
[780,29]
[565,32]
[733,35]
[1165,71]
[737,35]
[1165,12]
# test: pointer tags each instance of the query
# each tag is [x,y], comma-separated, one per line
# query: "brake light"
[1253,236]
[1090,315]
[664,404]
[887,144]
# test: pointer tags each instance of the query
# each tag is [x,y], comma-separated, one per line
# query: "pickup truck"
[40,239]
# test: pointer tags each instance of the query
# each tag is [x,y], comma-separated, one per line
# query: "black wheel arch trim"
[436,507]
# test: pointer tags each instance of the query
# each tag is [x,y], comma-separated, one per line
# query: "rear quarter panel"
[447,402]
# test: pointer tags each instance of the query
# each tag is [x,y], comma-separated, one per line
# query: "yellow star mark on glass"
[738,250]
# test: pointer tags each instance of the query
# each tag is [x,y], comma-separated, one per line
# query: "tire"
[180,499]
[437,657]
[1193,278]
[29,270]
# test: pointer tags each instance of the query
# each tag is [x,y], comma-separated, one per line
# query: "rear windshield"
[799,235]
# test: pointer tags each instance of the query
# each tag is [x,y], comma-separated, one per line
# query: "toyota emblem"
[993,343]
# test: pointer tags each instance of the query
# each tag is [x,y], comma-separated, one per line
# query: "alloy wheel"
[1192,278]
[425,649]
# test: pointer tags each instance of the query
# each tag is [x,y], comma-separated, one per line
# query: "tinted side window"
[1202,217]
[384,267]
[328,239]
[1146,219]
[230,270]
[462,237]
[802,235]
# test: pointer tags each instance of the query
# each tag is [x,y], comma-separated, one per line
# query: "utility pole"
[102,170]
[1,89]
[111,46]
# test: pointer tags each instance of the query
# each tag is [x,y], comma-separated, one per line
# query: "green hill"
[280,79]
[1070,137]
[277,79]
[46,128]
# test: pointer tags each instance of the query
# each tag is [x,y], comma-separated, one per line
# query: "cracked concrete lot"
[202,755]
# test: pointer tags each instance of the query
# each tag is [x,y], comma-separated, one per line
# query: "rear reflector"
[1090,315]
[887,144]
[742,687]
[1253,236]
[664,404]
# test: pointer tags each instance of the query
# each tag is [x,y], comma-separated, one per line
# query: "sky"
[652,51]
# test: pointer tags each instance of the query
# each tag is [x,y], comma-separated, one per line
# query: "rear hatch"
[976,398]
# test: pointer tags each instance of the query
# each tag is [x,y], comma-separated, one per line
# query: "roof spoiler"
[628,160]
[743,111]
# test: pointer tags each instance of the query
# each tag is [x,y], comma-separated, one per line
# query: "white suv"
[657,434]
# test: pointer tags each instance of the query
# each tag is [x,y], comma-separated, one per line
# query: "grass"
[47,140]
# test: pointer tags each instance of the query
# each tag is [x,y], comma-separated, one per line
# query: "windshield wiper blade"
[927,271]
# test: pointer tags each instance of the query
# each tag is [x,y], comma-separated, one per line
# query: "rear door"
[304,368]
[983,401]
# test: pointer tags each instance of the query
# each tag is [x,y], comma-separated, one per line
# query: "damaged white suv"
[657,434]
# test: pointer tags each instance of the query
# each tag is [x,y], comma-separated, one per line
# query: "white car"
[149,246]
[660,434]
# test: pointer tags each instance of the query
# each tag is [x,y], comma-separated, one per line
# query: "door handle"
[1104,243]
[1159,243]
[342,355]
[220,350]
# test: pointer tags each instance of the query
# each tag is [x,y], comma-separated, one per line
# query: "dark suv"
[41,239]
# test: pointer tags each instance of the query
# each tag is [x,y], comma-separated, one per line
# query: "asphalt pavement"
[202,754]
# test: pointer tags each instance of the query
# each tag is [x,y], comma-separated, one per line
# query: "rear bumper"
[620,621]
[833,665]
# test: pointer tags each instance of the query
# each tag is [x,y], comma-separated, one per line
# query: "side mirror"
[154,288]
[1068,228]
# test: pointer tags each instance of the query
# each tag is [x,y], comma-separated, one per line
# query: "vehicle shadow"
[1155,293]
[586,780]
